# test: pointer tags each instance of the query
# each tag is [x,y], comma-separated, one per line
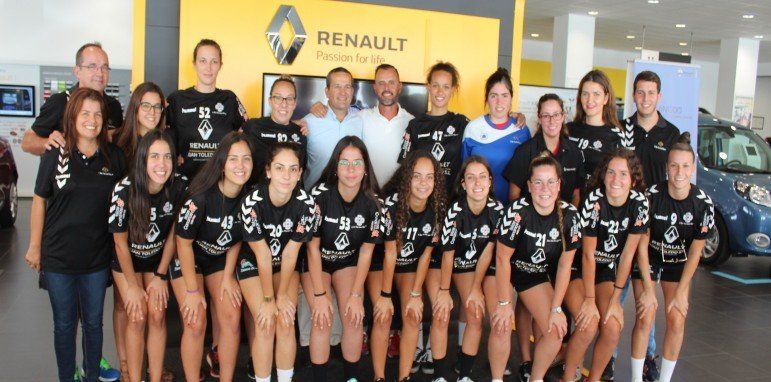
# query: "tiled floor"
[728,333]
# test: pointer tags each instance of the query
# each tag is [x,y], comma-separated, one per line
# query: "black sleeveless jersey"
[594,142]
[163,206]
[343,227]
[198,121]
[439,135]
[468,234]
[264,133]
[536,239]
[417,234]
[295,220]
[611,225]
[211,220]
[675,224]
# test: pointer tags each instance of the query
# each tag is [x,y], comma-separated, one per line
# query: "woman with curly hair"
[412,220]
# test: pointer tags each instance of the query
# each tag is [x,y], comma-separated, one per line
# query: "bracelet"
[385,294]
[354,294]
[415,294]
[504,302]
[267,298]
[320,294]
[194,291]
[617,287]
[444,289]
[159,275]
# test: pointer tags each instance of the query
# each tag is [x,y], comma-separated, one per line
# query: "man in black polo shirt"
[92,69]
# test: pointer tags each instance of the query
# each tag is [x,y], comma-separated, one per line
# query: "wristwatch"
[556,310]
[267,298]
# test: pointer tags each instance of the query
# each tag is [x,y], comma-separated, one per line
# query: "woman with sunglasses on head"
[208,238]
[614,216]
[142,214]
[340,253]
[468,241]
[681,217]
[537,239]
[69,240]
[279,216]
[412,221]
[551,138]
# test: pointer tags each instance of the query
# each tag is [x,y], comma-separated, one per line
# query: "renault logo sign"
[285,13]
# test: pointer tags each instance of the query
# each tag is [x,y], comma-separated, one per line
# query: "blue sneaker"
[106,372]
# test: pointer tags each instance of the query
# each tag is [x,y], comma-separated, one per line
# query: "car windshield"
[731,149]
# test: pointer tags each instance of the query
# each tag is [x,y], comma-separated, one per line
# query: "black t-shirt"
[212,221]
[343,227]
[77,192]
[611,225]
[467,233]
[594,142]
[675,224]
[198,122]
[163,206]
[52,113]
[536,239]
[439,135]
[568,155]
[418,233]
[652,147]
[294,221]
[264,133]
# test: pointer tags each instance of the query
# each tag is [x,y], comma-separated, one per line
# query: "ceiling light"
[685,54]
[593,13]
[630,36]
[653,1]
[683,43]
[638,48]
[679,25]
[758,36]
[748,16]
[535,35]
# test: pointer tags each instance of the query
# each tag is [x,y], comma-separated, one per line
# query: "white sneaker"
[465,379]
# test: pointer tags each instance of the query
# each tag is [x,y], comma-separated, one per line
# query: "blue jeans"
[73,296]
[652,338]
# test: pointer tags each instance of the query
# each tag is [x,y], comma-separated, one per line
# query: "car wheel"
[10,208]
[715,250]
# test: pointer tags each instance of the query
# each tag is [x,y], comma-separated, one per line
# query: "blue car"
[734,169]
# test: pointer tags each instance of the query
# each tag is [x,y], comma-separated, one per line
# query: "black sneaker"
[212,359]
[427,362]
[607,374]
[507,371]
[524,371]
[250,370]
[650,370]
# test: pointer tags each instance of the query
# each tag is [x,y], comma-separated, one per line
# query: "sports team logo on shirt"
[688,217]
[247,265]
[224,238]
[359,220]
[167,207]
[342,241]
[450,130]
[287,224]
[427,228]
[484,230]
[554,234]
[671,234]
[611,243]
[538,257]
[407,249]
[205,129]
[597,145]
[187,214]
[219,107]
[152,233]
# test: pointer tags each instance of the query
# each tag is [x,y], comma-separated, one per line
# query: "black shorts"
[523,281]
[331,266]
[659,272]
[604,273]
[377,258]
[246,267]
[205,265]
[147,265]
[408,268]
[436,258]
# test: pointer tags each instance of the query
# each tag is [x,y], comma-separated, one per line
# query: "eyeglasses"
[348,163]
[552,117]
[551,183]
[421,177]
[279,99]
[146,106]
[95,68]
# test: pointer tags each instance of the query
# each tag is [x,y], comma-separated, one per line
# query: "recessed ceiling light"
[638,48]
[679,25]
[593,13]
[685,54]
[535,35]
[758,36]
[748,16]
[683,43]
[653,1]
[630,36]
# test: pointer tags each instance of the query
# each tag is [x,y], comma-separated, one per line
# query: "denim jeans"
[73,296]
[651,351]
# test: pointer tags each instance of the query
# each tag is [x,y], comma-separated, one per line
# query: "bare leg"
[378,340]
[320,335]
[191,346]
[499,344]
[261,344]
[156,333]
[579,339]
[229,320]
[673,339]
[538,301]
[438,333]
[408,341]
[353,335]
[119,321]
[286,343]
[609,332]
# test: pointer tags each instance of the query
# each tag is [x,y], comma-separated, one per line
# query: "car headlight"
[753,192]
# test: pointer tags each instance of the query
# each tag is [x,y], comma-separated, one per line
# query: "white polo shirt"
[384,140]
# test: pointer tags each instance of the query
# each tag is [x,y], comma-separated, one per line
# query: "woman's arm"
[37,217]
[588,265]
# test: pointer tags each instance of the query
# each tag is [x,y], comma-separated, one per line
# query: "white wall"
[49,32]
[762,106]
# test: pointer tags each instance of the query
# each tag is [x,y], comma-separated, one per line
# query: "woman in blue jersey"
[495,136]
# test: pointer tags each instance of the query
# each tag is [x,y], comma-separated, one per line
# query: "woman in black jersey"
[537,239]
[278,127]
[278,218]
[412,222]
[681,218]
[69,240]
[340,253]
[208,238]
[595,127]
[614,216]
[142,213]
[468,240]
[199,117]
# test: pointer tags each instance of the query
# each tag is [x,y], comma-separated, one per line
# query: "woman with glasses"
[278,127]
[551,138]
[340,253]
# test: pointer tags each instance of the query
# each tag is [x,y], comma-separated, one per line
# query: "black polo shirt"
[568,155]
[77,190]
[52,113]
[264,133]
[652,147]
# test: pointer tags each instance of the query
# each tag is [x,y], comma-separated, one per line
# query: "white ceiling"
[708,20]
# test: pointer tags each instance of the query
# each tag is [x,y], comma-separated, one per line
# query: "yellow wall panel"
[535,72]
